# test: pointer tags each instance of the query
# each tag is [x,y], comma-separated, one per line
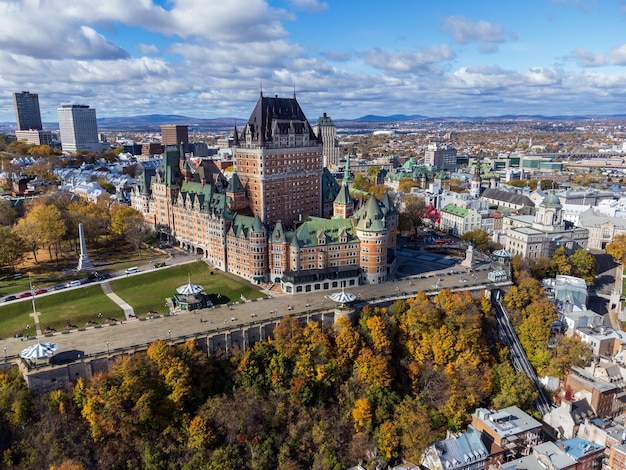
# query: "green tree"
[512,388]
[478,237]
[8,215]
[362,183]
[543,268]
[412,211]
[25,229]
[129,223]
[584,266]
[415,428]
[49,226]
[568,352]
[561,262]
[406,185]
[12,248]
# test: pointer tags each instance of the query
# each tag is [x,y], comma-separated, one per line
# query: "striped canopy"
[39,350]
[342,297]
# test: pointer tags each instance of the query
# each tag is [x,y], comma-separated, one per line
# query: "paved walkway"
[129,312]
[133,331]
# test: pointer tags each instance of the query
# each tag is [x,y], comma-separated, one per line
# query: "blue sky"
[348,58]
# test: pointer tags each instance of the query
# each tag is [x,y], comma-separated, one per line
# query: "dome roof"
[551,200]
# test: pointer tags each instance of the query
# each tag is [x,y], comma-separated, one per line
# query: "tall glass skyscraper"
[27,112]
[79,130]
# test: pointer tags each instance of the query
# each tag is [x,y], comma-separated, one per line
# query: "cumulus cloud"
[148,49]
[463,31]
[585,58]
[424,60]
[618,55]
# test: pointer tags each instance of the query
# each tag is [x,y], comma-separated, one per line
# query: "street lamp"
[5,354]
[108,349]
[169,335]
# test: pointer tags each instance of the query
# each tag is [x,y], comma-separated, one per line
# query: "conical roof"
[370,217]
[343,197]
[257,226]
[278,234]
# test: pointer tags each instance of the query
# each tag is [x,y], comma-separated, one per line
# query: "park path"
[129,312]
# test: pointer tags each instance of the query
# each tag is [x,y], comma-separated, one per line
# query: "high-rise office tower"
[175,134]
[326,129]
[27,112]
[442,156]
[79,130]
[279,162]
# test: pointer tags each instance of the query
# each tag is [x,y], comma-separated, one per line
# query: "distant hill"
[154,121]
[393,118]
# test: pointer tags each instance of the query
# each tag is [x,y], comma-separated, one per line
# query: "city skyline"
[550,57]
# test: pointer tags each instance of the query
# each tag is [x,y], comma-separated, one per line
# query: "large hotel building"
[281,217]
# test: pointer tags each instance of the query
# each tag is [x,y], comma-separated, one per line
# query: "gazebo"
[342,298]
[190,297]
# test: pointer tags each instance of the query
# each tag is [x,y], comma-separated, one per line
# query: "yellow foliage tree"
[362,414]
[347,342]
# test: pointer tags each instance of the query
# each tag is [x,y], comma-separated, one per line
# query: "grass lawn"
[76,306]
[147,292]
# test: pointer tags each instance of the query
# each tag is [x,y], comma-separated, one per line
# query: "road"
[134,331]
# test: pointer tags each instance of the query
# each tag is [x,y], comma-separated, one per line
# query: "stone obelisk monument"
[84,263]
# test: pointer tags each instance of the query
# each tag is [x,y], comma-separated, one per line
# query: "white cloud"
[464,31]
[585,58]
[618,55]
[424,60]
[148,49]
[486,33]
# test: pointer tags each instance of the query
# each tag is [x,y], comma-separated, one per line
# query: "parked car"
[159,265]
[24,295]
[8,298]
[41,291]
[59,287]
[75,283]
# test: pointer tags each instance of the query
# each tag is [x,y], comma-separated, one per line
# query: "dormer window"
[321,238]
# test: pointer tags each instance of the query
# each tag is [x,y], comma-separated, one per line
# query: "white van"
[132,270]
[73,284]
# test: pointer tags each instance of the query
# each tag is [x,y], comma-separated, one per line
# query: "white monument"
[84,263]
[469,257]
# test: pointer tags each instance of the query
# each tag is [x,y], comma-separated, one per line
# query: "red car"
[24,295]
[41,291]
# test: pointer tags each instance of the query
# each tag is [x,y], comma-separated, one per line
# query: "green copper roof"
[278,234]
[370,217]
[245,223]
[455,210]
[318,231]
[234,185]
[343,197]
[551,200]
[257,225]
[325,121]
